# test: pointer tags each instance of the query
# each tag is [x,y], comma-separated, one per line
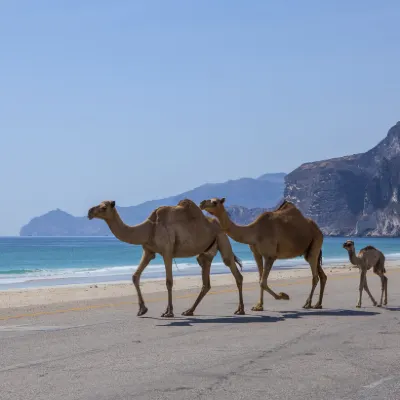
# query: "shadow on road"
[251,318]
[391,308]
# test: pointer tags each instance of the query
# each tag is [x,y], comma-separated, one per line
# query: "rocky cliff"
[352,195]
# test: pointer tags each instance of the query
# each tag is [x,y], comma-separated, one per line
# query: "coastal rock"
[352,195]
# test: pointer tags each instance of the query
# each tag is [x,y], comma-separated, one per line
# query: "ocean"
[51,261]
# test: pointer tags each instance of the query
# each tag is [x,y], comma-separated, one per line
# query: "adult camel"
[174,232]
[280,234]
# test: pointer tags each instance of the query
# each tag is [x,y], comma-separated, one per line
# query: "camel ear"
[223,200]
[112,204]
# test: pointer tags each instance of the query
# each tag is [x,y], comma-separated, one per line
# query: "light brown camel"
[280,234]
[174,232]
[367,258]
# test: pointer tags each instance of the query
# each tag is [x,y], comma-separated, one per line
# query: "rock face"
[352,195]
[250,193]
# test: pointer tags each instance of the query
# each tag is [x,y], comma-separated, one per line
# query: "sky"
[138,100]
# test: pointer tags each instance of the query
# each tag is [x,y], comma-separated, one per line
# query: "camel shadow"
[391,308]
[251,318]
[334,313]
[242,319]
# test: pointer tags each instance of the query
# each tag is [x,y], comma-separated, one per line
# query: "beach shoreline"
[13,298]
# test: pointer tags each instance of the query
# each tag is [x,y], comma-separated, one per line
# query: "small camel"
[280,234]
[174,231]
[367,258]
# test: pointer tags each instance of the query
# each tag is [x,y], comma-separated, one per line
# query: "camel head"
[213,206]
[348,245]
[104,210]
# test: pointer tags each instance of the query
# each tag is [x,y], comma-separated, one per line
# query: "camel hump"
[153,216]
[369,248]
[159,213]
[288,207]
[185,210]
[285,205]
[191,209]
[187,203]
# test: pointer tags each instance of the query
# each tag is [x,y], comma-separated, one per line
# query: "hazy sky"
[135,100]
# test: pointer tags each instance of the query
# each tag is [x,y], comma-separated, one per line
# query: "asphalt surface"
[102,350]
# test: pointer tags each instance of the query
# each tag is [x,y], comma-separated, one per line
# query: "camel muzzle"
[90,213]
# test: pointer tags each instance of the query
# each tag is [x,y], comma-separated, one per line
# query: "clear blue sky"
[135,100]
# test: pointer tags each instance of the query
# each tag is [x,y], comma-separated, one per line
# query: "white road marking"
[13,328]
[28,327]
[377,383]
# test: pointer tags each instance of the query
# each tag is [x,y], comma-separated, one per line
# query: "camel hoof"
[142,310]
[385,303]
[240,311]
[358,306]
[168,315]
[378,305]
[188,313]
[307,305]
[257,307]
[318,307]
[283,296]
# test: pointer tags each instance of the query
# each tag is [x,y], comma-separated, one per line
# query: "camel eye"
[214,203]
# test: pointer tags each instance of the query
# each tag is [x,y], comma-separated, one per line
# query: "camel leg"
[383,289]
[386,290]
[204,261]
[313,260]
[366,288]
[169,312]
[322,282]
[363,274]
[268,263]
[259,261]
[225,248]
[147,256]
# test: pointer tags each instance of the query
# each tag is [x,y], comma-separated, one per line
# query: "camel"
[280,234]
[367,258]
[174,232]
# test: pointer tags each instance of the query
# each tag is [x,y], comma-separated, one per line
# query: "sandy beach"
[63,294]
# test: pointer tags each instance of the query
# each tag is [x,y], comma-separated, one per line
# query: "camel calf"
[368,257]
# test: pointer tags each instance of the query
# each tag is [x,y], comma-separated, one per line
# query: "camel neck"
[138,234]
[352,257]
[239,233]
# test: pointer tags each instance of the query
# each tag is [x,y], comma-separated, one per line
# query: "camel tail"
[379,267]
[308,251]
[238,261]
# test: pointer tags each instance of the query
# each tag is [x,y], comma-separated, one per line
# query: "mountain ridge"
[247,197]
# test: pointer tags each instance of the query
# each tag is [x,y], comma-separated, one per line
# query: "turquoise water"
[26,262]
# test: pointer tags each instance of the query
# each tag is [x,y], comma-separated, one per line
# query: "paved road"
[103,351]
